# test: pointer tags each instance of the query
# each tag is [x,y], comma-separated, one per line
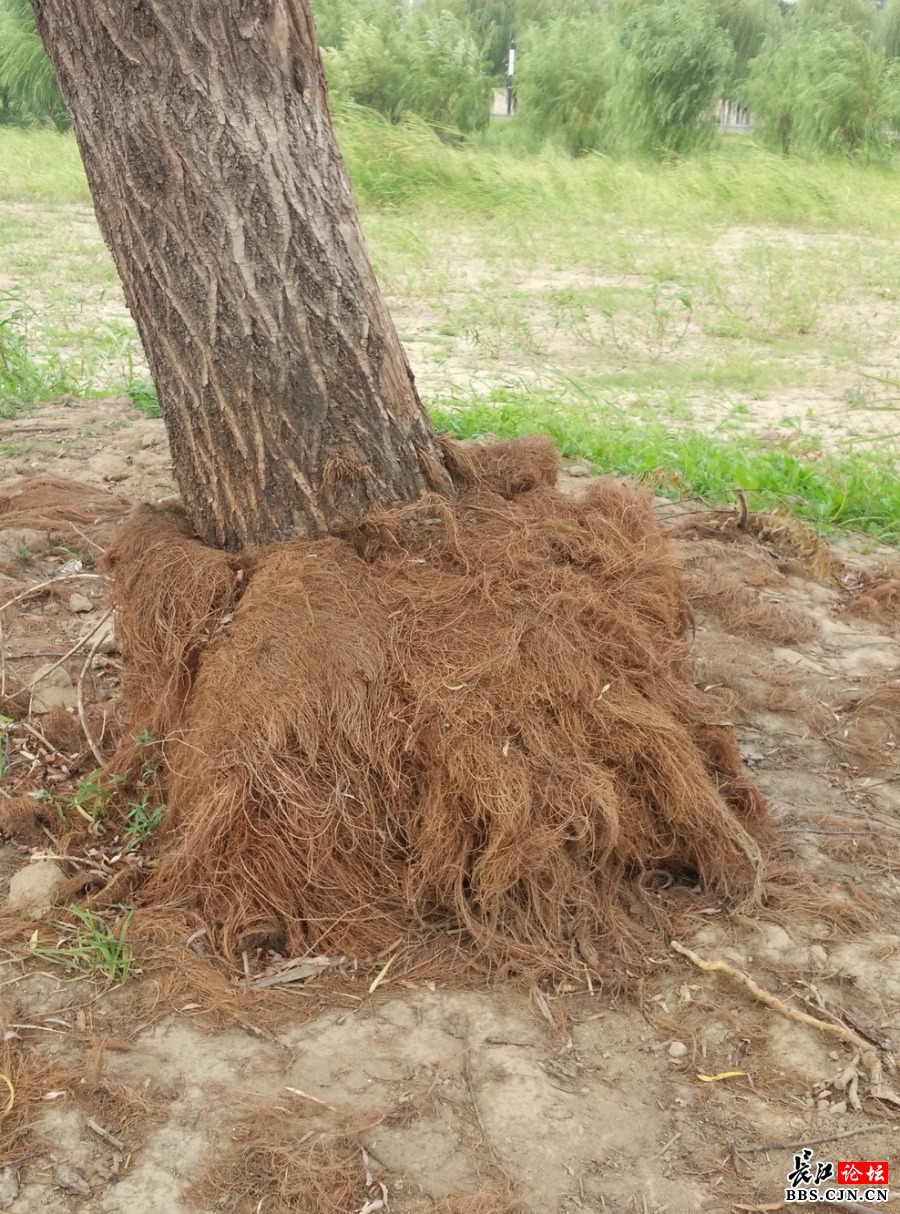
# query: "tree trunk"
[219,187]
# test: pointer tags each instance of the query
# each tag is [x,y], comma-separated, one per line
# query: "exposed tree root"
[470,718]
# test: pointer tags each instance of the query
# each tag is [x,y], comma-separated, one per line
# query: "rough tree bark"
[219,187]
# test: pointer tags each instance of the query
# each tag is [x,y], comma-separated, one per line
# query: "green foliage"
[673,65]
[429,65]
[640,77]
[858,489]
[367,70]
[824,90]
[24,378]
[859,15]
[27,81]
[447,79]
[145,812]
[92,946]
[142,818]
[90,799]
[566,77]
[747,23]
[890,30]
[142,392]
[94,793]
[335,19]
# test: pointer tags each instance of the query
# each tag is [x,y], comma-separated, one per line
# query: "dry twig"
[82,712]
[809,1142]
[772,1001]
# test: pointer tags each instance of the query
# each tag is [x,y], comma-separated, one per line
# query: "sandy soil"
[573,1099]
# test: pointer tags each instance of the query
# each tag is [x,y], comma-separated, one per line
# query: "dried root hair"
[471,720]
[72,512]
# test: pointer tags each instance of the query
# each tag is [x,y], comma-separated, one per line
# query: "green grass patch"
[403,166]
[857,489]
[40,165]
[142,392]
[89,945]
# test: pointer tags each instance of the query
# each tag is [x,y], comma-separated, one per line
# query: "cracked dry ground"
[563,1099]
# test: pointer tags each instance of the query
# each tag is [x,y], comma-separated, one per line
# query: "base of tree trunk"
[471,719]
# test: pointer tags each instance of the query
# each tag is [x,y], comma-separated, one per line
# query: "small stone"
[9,1187]
[33,890]
[577,470]
[677,1049]
[71,1180]
[839,1107]
[80,604]
[823,1106]
[109,642]
[53,689]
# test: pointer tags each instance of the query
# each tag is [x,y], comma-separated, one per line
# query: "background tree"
[891,29]
[564,83]
[673,65]
[288,400]
[747,23]
[823,86]
[427,61]
[26,74]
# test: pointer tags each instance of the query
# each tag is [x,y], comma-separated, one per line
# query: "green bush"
[747,23]
[672,68]
[429,65]
[565,81]
[825,90]
[27,82]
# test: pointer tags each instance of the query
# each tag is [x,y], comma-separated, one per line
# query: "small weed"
[23,553]
[146,812]
[25,379]
[143,818]
[142,393]
[92,946]
[90,798]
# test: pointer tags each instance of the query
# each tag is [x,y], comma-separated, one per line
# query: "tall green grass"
[737,182]
[41,165]
[858,488]
[403,166]
[27,376]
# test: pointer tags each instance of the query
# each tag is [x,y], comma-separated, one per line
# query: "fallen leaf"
[721,1075]
[380,976]
[298,971]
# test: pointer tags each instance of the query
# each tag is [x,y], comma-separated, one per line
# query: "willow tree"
[218,185]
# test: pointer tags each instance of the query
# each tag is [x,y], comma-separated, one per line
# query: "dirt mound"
[472,718]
